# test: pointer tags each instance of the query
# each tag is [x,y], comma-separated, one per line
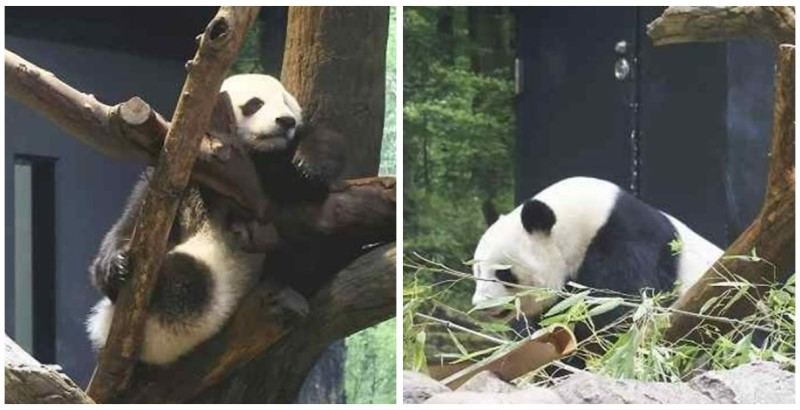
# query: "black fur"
[631,251]
[305,170]
[183,291]
[111,267]
[302,172]
[290,171]
[536,215]
[506,275]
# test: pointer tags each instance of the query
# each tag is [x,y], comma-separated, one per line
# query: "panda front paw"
[111,272]
[254,236]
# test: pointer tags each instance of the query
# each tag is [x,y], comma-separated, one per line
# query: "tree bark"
[358,297]
[771,235]
[705,24]
[335,64]
[218,46]
[29,382]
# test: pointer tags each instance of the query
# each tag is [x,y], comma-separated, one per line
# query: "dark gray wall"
[90,188]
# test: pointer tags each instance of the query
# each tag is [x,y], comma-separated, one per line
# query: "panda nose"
[286,122]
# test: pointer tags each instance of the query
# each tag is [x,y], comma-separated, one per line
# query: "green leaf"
[605,307]
[567,303]
[494,302]
[709,303]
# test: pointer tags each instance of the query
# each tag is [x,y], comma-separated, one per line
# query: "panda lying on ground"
[591,232]
[207,270]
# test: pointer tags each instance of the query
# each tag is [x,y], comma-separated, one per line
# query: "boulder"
[590,388]
[527,396]
[486,382]
[753,383]
[418,387]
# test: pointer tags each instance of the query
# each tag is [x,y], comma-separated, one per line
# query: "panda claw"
[293,302]
[119,269]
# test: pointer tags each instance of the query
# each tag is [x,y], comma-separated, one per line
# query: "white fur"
[230,271]
[582,206]
[277,103]
[696,256]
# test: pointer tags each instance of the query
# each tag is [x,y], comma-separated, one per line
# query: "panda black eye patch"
[506,275]
[251,106]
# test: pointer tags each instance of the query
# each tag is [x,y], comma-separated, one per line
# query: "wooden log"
[770,236]
[705,24]
[218,47]
[29,382]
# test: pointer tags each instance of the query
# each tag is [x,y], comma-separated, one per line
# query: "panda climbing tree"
[335,249]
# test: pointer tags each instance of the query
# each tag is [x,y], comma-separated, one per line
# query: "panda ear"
[536,215]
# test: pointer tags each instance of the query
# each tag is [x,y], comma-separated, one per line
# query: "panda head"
[519,248]
[267,116]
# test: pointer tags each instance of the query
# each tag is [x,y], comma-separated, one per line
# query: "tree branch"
[771,235]
[133,130]
[28,381]
[706,24]
[219,45]
[361,295]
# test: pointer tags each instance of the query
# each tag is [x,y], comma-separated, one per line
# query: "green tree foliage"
[458,135]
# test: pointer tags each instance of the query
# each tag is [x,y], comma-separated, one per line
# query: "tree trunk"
[340,86]
[335,64]
[490,35]
[445,25]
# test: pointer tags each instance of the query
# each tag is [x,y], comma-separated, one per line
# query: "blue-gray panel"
[90,188]
[751,71]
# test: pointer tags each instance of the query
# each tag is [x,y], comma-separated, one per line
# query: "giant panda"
[591,232]
[207,269]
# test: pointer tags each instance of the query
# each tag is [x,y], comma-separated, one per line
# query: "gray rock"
[591,388]
[531,395]
[418,387]
[752,383]
[486,382]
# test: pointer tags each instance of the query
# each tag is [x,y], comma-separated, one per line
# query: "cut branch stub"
[217,49]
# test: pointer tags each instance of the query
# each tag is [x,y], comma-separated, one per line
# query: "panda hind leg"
[184,290]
